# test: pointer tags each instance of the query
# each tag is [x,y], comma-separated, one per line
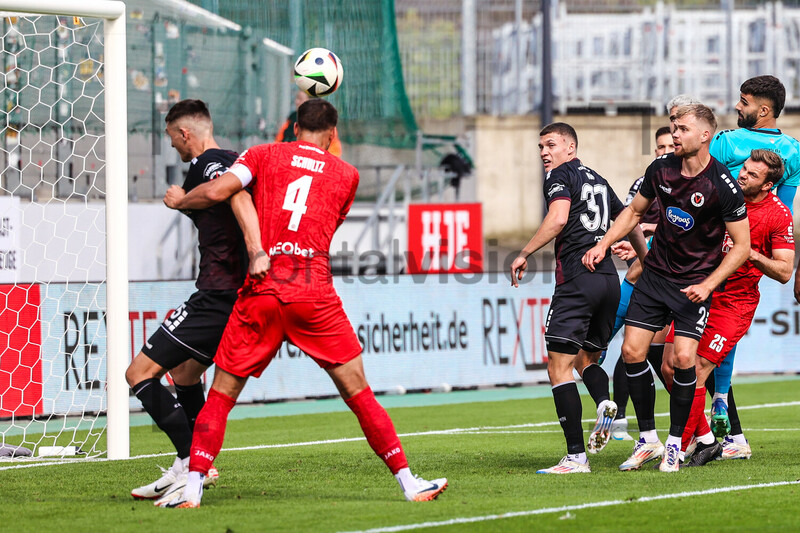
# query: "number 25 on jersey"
[295,200]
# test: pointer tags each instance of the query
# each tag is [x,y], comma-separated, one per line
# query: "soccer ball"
[318,72]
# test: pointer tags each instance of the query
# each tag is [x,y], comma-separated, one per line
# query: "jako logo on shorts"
[680,218]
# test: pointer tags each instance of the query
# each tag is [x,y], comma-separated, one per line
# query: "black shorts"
[193,331]
[582,314]
[656,302]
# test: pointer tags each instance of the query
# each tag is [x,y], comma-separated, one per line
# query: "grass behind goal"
[342,486]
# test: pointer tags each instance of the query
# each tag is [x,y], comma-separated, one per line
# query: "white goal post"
[114,87]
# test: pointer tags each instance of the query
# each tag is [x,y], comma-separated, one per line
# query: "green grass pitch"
[342,486]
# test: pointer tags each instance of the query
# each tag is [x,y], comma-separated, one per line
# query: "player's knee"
[632,353]
[131,376]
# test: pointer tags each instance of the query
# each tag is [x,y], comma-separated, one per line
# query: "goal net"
[63,228]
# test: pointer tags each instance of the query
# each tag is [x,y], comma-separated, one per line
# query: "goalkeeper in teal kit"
[761,102]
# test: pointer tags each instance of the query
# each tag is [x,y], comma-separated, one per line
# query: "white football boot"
[157,488]
[426,491]
[601,433]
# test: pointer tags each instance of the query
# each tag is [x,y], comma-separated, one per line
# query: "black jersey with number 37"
[593,204]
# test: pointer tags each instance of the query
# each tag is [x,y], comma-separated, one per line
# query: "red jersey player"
[301,194]
[734,305]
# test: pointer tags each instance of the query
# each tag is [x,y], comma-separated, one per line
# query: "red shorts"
[726,326]
[259,324]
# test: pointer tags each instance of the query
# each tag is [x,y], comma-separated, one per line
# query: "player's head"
[558,143]
[664,144]
[316,122]
[760,172]
[189,126]
[678,101]
[761,99]
[692,129]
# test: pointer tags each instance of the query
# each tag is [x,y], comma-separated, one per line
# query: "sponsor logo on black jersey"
[557,187]
[680,218]
[667,190]
[214,170]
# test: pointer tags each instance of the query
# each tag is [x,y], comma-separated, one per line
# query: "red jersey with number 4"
[770,229]
[301,194]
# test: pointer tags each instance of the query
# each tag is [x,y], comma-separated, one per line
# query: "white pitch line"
[452,431]
[578,507]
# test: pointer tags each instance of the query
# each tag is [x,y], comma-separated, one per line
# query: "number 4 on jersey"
[295,200]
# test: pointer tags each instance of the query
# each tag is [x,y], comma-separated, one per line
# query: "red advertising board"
[20,341]
[445,238]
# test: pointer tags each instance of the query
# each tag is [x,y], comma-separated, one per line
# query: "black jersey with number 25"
[687,245]
[593,205]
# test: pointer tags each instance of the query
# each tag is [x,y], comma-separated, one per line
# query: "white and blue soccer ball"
[318,72]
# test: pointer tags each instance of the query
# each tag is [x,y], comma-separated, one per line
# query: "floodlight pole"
[547,64]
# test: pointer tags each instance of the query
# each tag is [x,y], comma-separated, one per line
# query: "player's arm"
[204,195]
[739,232]
[779,267]
[625,223]
[553,223]
[638,241]
[797,286]
[242,206]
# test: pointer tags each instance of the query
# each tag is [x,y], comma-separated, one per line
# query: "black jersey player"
[186,342]
[581,205]
[698,203]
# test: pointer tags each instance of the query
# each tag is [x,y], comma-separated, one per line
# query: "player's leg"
[682,393]
[580,320]
[655,354]
[251,339]
[707,448]
[188,387]
[619,427]
[379,430]
[323,331]
[643,397]
[560,363]
[595,378]
[191,333]
[209,435]
[720,416]
[596,381]
[735,445]
[191,395]
[647,314]
[144,377]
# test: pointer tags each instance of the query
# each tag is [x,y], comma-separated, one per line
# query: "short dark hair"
[188,108]
[768,87]
[773,161]
[560,128]
[663,130]
[698,111]
[317,115]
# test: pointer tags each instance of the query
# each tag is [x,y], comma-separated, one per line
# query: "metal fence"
[482,56]
[51,105]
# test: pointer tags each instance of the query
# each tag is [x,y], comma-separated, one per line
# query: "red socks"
[378,429]
[209,431]
[697,418]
